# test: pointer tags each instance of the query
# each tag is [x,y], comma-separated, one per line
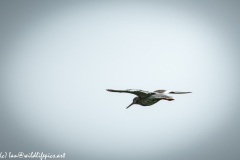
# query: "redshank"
[145,98]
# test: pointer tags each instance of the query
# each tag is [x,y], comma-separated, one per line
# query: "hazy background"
[58,57]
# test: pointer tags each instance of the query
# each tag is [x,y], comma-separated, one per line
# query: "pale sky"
[58,59]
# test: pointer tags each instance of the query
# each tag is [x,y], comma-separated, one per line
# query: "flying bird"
[145,98]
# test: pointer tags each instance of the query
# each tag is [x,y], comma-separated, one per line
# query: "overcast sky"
[58,58]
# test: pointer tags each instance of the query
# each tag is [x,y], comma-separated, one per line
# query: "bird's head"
[136,100]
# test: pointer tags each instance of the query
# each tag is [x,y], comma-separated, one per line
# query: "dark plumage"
[145,98]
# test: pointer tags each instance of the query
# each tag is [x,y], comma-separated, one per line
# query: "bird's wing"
[170,92]
[161,96]
[138,92]
[160,91]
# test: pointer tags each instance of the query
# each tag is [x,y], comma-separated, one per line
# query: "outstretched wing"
[138,92]
[161,96]
[160,91]
[170,92]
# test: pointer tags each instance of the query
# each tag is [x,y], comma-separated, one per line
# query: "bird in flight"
[145,98]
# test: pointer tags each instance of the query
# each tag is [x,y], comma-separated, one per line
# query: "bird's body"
[146,98]
[148,101]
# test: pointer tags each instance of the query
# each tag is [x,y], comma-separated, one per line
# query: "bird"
[146,98]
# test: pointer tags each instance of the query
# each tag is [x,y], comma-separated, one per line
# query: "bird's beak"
[130,105]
